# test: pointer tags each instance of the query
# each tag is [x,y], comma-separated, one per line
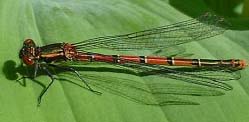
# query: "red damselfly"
[207,72]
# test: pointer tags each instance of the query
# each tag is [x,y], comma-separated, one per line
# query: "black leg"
[28,74]
[37,65]
[78,74]
[46,88]
[44,68]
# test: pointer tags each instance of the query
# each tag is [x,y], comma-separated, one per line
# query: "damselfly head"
[28,52]
[29,43]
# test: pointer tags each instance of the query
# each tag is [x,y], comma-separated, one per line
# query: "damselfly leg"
[78,75]
[44,68]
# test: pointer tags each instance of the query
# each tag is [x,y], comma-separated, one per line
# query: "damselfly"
[205,72]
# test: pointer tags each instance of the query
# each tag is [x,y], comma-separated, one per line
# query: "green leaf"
[71,21]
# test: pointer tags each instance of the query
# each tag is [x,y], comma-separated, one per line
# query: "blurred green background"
[51,21]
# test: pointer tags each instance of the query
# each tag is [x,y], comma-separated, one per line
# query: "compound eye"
[27,60]
[29,43]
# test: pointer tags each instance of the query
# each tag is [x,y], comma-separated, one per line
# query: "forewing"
[211,77]
[205,26]
[149,93]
